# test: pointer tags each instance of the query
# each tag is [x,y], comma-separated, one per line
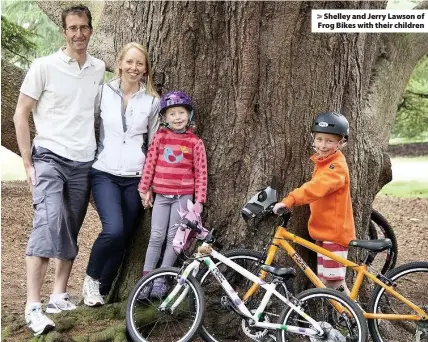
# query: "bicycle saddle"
[372,245]
[283,272]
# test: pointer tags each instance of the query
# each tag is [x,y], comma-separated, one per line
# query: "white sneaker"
[59,303]
[36,320]
[91,292]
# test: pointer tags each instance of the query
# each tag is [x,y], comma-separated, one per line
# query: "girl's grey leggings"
[164,216]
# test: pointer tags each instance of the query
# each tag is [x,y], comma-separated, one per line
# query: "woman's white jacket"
[125,132]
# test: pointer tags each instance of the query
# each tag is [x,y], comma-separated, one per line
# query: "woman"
[129,109]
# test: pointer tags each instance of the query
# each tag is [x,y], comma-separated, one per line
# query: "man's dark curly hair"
[78,10]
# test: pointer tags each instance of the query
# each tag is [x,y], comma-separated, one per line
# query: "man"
[60,90]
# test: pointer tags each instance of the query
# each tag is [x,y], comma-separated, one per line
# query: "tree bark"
[258,76]
[11,80]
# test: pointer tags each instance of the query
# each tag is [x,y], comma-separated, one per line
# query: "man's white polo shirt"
[66,95]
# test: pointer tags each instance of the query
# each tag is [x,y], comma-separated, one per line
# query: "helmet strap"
[166,125]
[313,142]
[343,142]
[190,119]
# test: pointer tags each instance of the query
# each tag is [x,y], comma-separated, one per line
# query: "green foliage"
[27,15]
[402,4]
[412,116]
[16,42]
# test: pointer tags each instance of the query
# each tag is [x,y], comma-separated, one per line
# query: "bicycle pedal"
[268,338]
[341,288]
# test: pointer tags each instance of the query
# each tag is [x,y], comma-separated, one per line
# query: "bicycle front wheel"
[410,281]
[147,321]
[350,325]
[379,228]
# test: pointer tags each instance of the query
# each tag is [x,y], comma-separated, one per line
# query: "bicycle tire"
[241,284]
[141,313]
[377,220]
[329,315]
[381,301]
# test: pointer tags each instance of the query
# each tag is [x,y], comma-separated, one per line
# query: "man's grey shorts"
[60,201]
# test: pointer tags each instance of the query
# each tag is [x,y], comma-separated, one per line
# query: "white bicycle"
[313,315]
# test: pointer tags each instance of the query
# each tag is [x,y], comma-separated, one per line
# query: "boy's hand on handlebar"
[277,207]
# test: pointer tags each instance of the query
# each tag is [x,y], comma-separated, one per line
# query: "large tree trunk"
[11,80]
[258,76]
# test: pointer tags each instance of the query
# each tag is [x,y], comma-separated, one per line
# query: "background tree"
[412,116]
[43,34]
[16,42]
[258,76]
[27,33]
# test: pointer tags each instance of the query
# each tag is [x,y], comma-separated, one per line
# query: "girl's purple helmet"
[174,99]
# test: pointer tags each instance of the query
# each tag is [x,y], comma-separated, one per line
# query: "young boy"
[331,222]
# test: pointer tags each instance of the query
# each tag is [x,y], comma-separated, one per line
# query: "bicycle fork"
[193,268]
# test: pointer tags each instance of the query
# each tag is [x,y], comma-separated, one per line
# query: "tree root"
[101,324]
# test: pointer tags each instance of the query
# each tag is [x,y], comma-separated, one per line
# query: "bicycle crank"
[257,334]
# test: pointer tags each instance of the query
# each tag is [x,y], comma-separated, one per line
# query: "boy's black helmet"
[331,123]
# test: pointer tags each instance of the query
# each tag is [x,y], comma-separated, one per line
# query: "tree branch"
[17,54]
[424,96]
[421,5]
[53,9]
[418,42]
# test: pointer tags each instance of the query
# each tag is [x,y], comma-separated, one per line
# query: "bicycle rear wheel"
[318,304]
[379,228]
[410,281]
[221,323]
[145,320]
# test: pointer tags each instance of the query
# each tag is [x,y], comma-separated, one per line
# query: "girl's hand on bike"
[277,206]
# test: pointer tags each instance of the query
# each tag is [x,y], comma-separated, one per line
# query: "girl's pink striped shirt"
[176,164]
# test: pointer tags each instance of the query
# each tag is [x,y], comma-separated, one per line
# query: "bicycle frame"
[281,238]
[237,302]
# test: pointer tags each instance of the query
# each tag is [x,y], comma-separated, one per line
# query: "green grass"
[406,189]
[398,141]
[409,159]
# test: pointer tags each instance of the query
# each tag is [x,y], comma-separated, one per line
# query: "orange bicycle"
[397,310]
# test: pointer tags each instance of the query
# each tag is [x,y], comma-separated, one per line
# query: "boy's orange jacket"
[329,197]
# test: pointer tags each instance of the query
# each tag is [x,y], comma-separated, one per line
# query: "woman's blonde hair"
[150,89]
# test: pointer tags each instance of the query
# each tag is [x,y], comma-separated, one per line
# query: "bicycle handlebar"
[193,226]
[282,211]
[210,237]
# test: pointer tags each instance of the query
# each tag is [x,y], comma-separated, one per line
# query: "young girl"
[176,170]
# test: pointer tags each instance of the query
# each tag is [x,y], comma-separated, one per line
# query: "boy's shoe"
[159,288]
[36,320]
[91,292]
[59,303]
[145,292]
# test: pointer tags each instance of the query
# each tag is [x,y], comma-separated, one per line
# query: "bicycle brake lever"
[218,245]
